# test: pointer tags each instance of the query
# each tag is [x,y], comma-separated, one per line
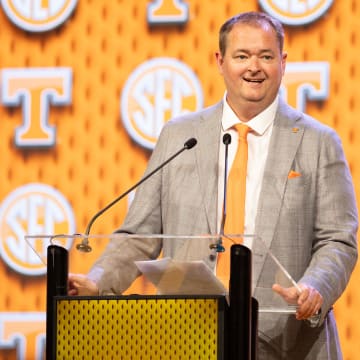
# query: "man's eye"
[241,57]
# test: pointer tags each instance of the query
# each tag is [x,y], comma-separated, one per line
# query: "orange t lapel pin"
[293,174]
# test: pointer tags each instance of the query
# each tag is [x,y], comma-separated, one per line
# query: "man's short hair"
[250,18]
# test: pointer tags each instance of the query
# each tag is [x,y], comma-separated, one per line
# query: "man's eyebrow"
[266,51]
[247,51]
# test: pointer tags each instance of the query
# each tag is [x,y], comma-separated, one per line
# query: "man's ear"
[283,61]
[219,61]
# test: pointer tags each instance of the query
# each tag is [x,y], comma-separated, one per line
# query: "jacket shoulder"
[201,115]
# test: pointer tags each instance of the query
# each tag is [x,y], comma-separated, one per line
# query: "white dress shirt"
[258,145]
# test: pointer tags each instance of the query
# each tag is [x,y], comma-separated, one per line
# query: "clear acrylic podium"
[182,281]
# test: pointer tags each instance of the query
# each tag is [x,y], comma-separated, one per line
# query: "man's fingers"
[72,292]
[290,294]
[309,300]
[81,285]
[309,304]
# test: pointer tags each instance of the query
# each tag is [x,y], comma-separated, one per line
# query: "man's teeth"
[254,80]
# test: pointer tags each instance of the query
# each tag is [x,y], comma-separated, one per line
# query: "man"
[299,194]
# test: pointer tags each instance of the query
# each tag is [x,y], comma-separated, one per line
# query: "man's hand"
[81,285]
[308,301]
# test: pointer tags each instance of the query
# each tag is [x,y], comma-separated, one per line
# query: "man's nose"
[254,64]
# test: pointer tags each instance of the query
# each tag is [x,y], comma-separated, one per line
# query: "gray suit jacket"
[309,222]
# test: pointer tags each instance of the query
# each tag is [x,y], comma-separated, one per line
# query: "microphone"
[219,246]
[84,245]
[226,141]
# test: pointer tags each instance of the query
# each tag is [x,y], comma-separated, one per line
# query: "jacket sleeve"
[115,270]
[334,248]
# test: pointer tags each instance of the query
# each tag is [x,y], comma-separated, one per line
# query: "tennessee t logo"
[306,81]
[24,332]
[167,12]
[35,89]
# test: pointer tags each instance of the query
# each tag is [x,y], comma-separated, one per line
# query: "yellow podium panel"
[140,327]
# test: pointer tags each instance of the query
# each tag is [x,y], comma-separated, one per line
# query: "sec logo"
[38,16]
[156,91]
[33,209]
[296,12]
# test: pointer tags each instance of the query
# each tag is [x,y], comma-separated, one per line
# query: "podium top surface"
[187,264]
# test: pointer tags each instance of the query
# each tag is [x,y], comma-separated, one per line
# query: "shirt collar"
[260,123]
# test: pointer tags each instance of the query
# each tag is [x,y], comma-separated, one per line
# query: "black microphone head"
[189,144]
[227,139]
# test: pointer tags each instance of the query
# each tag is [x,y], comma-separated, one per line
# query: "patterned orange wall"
[95,160]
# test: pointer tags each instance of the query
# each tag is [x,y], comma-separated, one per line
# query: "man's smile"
[250,80]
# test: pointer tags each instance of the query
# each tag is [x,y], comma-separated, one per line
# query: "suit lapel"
[285,139]
[207,153]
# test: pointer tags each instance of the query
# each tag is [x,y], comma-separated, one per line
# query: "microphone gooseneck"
[84,245]
[227,142]
[219,247]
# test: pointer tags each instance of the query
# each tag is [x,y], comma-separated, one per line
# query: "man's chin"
[254,96]
[255,99]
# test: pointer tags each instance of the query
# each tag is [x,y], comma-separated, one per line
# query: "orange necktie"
[235,208]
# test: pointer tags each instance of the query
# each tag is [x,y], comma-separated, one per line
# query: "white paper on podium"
[173,277]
